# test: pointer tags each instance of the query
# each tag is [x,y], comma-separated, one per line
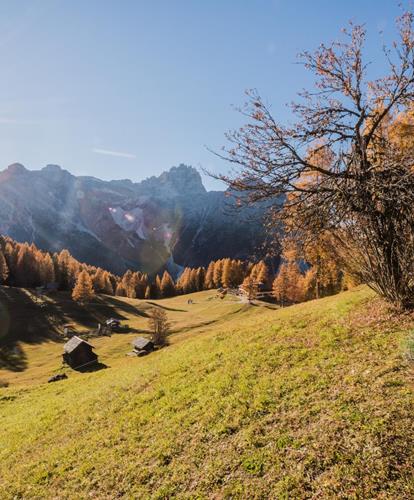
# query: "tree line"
[24,265]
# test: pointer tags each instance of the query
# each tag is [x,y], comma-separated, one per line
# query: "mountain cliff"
[162,222]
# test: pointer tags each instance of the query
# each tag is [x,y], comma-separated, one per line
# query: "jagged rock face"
[161,222]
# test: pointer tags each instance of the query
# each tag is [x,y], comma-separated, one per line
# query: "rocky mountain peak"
[178,181]
[16,168]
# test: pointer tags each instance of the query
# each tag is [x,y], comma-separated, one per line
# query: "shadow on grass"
[165,307]
[93,367]
[13,358]
[124,307]
[23,319]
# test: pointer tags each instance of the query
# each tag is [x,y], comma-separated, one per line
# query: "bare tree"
[337,168]
[159,326]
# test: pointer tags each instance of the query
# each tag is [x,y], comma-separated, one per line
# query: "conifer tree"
[217,274]
[156,288]
[238,273]
[262,273]
[193,281]
[83,290]
[98,280]
[167,285]
[280,286]
[209,278]
[26,267]
[295,280]
[107,284]
[201,274]
[120,290]
[227,273]
[250,288]
[4,270]
[47,270]
[148,292]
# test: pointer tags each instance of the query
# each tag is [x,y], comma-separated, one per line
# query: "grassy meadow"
[309,401]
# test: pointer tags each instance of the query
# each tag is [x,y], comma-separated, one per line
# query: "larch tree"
[250,288]
[217,274]
[280,287]
[227,274]
[47,270]
[83,291]
[167,285]
[120,290]
[107,287]
[209,278]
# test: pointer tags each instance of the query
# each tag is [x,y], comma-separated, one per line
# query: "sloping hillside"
[32,328]
[312,401]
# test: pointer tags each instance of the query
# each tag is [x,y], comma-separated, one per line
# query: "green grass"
[310,401]
[31,335]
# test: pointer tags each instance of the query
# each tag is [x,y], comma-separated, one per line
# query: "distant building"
[142,346]
[113,323]
[78,352]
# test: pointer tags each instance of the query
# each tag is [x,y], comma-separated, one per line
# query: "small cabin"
[142,346]
[78,352]
[113,323]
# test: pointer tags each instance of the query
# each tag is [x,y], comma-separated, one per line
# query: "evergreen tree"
[83,290]
[148,293]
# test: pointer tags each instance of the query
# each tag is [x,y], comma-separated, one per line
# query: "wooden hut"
[142,346]
[78,353]
[113,324]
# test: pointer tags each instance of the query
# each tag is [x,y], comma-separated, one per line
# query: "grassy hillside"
[311,401]
[31,329]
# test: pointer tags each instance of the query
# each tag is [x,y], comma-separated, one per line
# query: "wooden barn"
[78,352]
[142,346]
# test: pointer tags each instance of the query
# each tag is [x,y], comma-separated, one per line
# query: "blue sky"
[126,89]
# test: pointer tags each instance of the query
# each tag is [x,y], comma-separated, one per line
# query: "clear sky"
[127,88]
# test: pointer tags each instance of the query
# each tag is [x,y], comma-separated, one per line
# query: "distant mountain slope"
[162,221]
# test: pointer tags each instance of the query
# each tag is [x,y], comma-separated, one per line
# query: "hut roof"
[113,321]
[73,343]
[141,343]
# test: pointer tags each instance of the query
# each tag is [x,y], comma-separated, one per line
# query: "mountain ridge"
[169,221]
